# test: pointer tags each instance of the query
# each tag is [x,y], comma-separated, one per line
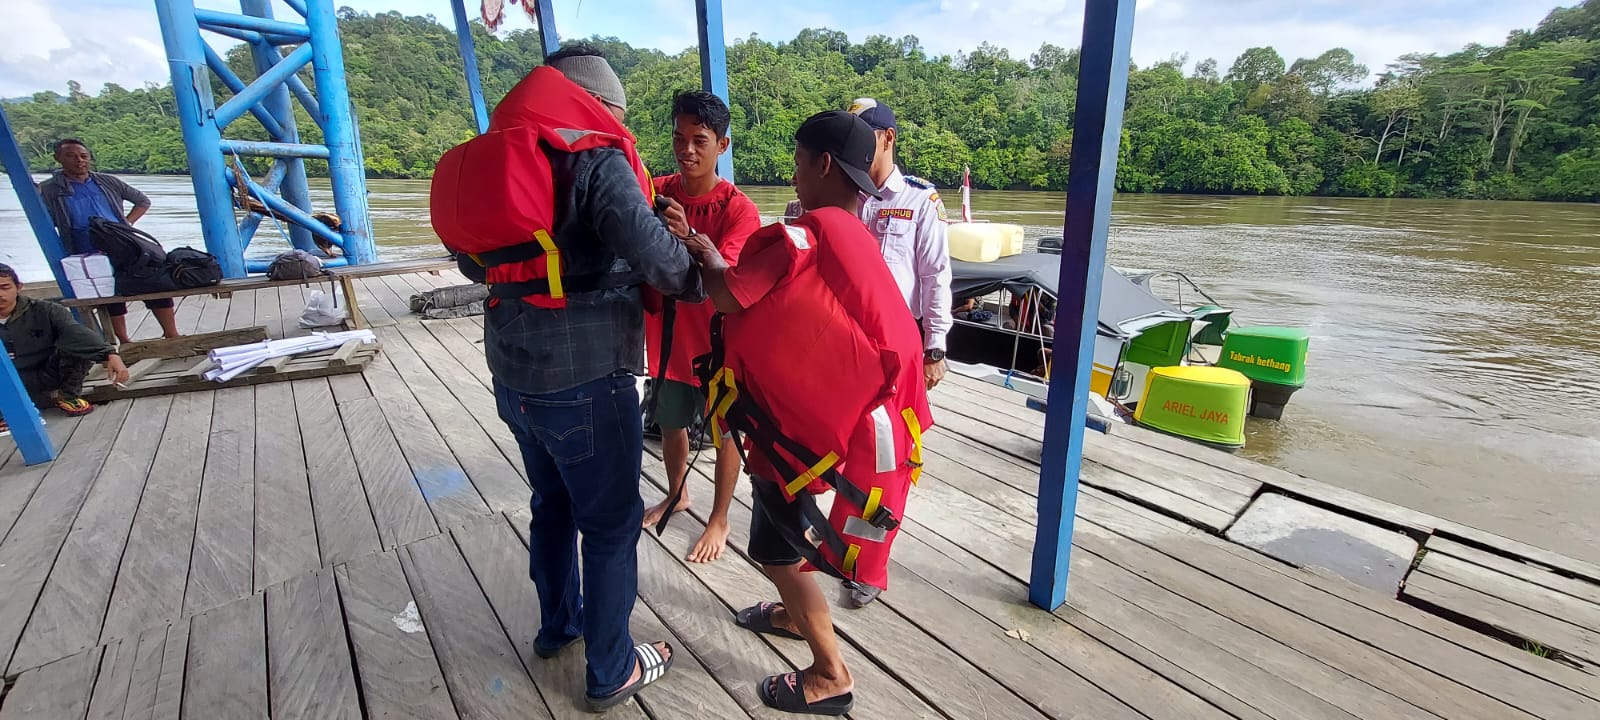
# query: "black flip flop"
[787,692]
[758,619]
[652,667]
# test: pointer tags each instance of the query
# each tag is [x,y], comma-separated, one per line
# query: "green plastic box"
[1274,355]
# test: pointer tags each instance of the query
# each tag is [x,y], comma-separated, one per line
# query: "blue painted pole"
[294,188]
[1091,181]
[549,41]
[289,151]
[202,137]
[264,87]
[307,100]
[236,85]
[27,428]
[469,59]
[274,202]
[286,32]
[340,133]
[44,229]
[714,66]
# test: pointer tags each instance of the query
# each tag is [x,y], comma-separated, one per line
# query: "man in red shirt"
[829,261]
[701,203]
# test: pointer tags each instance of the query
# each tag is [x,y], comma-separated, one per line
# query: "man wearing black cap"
[783,281]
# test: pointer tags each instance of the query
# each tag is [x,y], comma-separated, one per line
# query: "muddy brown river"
[1455,357]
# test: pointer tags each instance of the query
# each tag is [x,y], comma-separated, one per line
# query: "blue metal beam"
[252,221]
[307,100]
[27,428]
[191,84]
[296,215]
[44,229]
[1091,181]
[263,86]
[211,19]
[298,6]
[254,148]
[236,86]
[251,36]
[714,66]
[549,41]
[469,59]
[340,133]
[294,187]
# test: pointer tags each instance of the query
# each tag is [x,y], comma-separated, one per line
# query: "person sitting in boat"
[819,360]
[75,196]
[700,200]
[51,350]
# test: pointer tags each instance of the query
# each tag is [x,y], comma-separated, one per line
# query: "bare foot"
[653,514]
[661,647]
[712,541]
[821,684]
[780,619]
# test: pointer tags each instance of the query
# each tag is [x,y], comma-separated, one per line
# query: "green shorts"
[676,405]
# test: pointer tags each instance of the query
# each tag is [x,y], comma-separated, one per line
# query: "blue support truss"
[1091,181]
[714,66]
[15,406]
[469,60]
[216,164]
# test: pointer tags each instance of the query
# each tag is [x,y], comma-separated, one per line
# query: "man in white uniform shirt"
[910,226]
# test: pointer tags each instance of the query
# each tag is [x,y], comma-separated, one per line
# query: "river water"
[1455,357]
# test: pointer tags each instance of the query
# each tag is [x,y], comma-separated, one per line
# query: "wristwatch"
[932,356]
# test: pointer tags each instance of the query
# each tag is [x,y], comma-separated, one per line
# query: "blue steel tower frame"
[214,161]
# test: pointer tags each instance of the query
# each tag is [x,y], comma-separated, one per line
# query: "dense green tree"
[1518,121]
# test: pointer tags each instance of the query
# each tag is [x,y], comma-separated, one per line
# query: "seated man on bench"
[52,351]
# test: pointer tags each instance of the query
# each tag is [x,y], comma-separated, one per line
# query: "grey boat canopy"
[1126,309]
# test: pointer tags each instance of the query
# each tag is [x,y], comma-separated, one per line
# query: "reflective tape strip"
[816,471]
[552,262]
[883,436]
[856,527]
[849,564]
[797,235]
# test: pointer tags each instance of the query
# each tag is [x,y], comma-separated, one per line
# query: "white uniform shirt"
[910,226]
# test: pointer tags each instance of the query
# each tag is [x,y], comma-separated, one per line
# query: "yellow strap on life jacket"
[552,262]
[719,398]
[915,427]
[874,499]
[816,471]
[850,555]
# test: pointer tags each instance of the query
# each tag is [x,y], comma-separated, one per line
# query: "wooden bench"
[100,319]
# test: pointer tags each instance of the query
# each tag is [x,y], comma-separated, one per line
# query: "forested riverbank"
[1515,121]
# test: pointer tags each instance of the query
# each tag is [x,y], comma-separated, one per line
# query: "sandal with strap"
[787,692]
[758,619]
[74,407]
[652,667]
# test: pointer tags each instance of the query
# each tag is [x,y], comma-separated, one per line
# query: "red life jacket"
[824,375]
[493,197]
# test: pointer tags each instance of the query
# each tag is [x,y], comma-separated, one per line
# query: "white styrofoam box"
[85,267]
[94,287]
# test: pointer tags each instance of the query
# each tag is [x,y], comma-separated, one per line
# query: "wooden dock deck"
[356,547]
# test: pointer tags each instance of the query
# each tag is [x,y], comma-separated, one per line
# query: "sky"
[45,43]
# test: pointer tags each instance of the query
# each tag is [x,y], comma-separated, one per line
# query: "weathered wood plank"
[464,348]
[485,675]
[399,507]
[58,691]
[395,663]
[477,399]
[445,485]
[396,306]
[145,682]
[960,428]
[1570,565]
[190,345]
[1220,489]
[1504,615]
[72,605]
[499,561]
[227,664]
[1528,573]
[345,526]
[221,564]
[30,549]
[155,564]
[110,696]
[501,486]
[214,315]
[292,302]
[311,676]
[18,481]
[286,532]
[1557,605]
[268,312]
[241,310]
[276,370]
[347,388]
[169,684]
[1151,493]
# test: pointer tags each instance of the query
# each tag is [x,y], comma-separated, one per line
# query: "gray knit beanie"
[594,74]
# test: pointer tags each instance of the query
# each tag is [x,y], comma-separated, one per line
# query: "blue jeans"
[582,450]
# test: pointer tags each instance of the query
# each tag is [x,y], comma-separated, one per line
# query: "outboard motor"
[1050,245]
[1274,358]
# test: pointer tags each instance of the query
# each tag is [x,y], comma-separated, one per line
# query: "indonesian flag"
[966,194]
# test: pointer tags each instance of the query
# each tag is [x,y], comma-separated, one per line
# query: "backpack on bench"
[190,268]
[137,260]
